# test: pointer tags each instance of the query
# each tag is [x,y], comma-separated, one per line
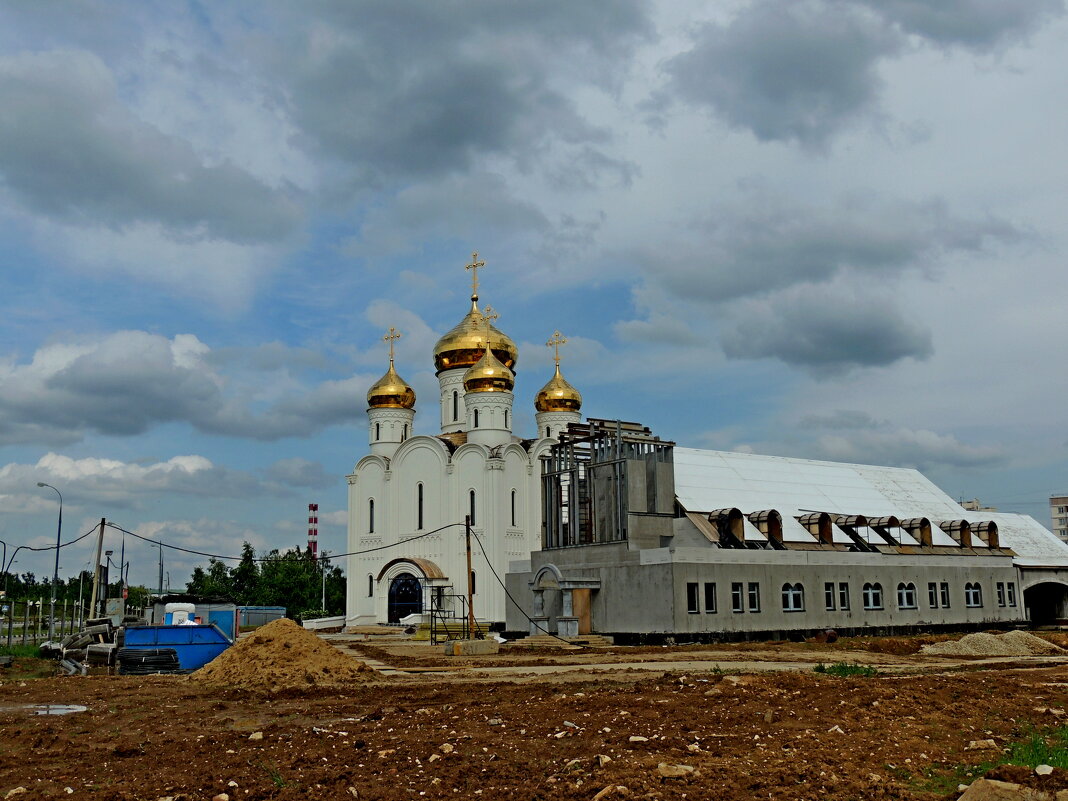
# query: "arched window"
[873,596]
[473,590]
[906,595]
[370,586]
[471,505]
[455,405]
[419,506]
[404,435]
[547,431]
[793,597]
[476,418]
[973,595]
[378,431]
[506,418]
[513,508]
[371,516]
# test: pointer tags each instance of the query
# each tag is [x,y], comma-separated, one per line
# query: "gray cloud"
[975,24]
[903,447]
[787,69]
[422,88]
[71,151]
[297,472]
[826,333]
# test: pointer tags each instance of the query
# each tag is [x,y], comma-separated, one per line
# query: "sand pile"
[1012,643]
[281,656]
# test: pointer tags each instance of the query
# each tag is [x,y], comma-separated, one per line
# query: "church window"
[513,508]
[371,516]
[404,435]
[471,504]
[476,418]
[506,418]
[419,506]
[370,586]
[547,431]
[473,582]
[793,597]
[378,431]
[455,405]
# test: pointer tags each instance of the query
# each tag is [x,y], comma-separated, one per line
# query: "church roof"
[709,480]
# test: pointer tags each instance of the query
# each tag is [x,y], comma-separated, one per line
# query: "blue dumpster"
[194,645]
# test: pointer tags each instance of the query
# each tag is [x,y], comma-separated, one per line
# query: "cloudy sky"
[820,228]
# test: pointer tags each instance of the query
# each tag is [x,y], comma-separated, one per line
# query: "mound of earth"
[981,643]
[281,656]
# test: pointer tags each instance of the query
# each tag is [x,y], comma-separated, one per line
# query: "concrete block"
[471,647]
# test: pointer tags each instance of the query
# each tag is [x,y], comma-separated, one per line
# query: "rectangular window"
[932,594]
[754,596]
[828,595]
[843,596]
[1000,588]
[710,597]
[1012,593]
[737,597]
[943,594]
[692,599]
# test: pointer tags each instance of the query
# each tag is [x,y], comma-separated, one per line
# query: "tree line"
[292,578]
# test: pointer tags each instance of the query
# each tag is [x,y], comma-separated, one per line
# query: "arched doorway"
[405,597]
[1047,603]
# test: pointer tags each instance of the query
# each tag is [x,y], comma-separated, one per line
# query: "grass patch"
[843,669]
[1035,747]
[19,651]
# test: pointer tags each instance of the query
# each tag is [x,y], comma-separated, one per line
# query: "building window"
[943,594]
[476,418]
[932,594]
[873,596]
[473,582]
[906,596]
[1012,593]
[506,418]
[828,595]
[843,596]
[973,595]
[692,598]
[455,405]
[737,597]
[471,505]
[370,586]
[547,431]
[1000,589]
[710,597]
[419,506]
[371,516]
[378,431]
[404,435]
[793,598]
[513,508]
[754,596]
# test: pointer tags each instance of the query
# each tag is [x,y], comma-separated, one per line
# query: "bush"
[843,669]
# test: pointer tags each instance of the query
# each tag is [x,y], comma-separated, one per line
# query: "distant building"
[1058,512]
[975,506]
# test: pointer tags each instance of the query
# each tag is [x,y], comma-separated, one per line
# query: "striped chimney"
[313,529]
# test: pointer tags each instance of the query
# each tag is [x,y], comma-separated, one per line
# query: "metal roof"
[709,480]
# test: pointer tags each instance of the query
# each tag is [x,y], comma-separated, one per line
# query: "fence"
[24,621]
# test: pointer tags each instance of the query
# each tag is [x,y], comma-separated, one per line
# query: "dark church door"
[405,597]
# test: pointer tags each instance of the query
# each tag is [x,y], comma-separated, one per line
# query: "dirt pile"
[981,643]
[281,656]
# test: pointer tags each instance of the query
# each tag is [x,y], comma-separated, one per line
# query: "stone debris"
[993,790]
[256,735]
[637,738]
[1043,770]
[981,643]
[611,790]
[980,745]
[16,791]
[221,797]
[669,771]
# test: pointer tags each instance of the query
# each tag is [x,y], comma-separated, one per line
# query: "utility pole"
[96,570]
[470,589]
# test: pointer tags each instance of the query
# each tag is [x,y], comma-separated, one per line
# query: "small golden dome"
[463,346]
[489,375]
[558,396]
[390,392]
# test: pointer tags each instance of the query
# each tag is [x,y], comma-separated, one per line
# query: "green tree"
[244,579]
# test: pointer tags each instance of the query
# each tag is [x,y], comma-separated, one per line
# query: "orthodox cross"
[488,316]
[474,267]
[555,342]
[391,337]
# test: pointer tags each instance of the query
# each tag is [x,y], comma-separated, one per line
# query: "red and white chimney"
[313,529]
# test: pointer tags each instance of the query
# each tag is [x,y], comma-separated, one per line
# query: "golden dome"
[390,392]
[463,346]
[489,375]
[558,396]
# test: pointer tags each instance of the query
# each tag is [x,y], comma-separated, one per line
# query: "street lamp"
[55,572]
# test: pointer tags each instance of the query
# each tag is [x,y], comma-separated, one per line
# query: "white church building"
[408,498]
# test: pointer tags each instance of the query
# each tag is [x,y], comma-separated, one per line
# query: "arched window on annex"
[906,595]
[793,597]
[471,507]
[873,595]
[370,515]
[513,508]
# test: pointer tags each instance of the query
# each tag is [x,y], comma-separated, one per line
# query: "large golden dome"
[558,396]
[391,392]
[488,374]
[463,346]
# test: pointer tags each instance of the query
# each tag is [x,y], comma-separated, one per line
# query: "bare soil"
[789,734]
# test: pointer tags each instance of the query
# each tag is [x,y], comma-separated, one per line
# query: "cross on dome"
[555,341]
[391,337]
[474,267]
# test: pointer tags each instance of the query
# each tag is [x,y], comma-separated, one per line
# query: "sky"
[830,229]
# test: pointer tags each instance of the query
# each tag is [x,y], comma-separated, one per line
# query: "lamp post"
[55,572]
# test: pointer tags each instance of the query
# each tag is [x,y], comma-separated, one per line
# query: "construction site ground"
[697,722]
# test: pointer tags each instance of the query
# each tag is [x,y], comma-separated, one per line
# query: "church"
[409,497]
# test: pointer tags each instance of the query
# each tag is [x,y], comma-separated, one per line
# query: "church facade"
[410,496]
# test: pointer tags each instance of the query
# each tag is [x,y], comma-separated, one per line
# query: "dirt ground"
[491,727]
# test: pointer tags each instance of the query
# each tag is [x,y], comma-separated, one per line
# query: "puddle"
[45,709]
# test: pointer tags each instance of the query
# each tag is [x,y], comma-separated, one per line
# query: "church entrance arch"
[405,597]
[1047,602]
